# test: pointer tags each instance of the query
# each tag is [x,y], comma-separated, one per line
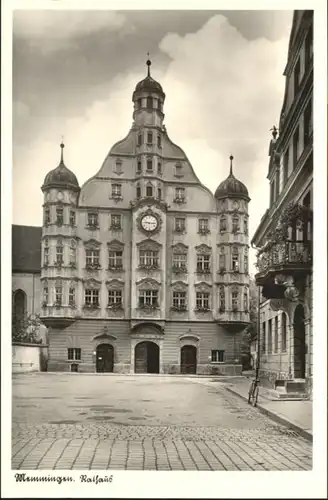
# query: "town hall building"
[143,269]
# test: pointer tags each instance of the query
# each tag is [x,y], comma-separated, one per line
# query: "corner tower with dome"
[144,270]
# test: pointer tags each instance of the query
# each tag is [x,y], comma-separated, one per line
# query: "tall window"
[149,138]
[203,263]
[179,260]
[222,263]
[116,221]
[159,168]
[116,190]
[245,300]
[114,297]
[178,170]
[118,167]
[58,295]
[159,193]
[46,217]
[295,147]
[307,122]
[223,224]
[285,171]
[235,224]
[72,252]
[179,300]
[139,139]
[235,259]
[149,190]
[149,258]
[297,72]
[217,356]
[283,332]
[71,296]
[91,297]
[59,216]
[180,194]
[149,103]
[19,308]
[115,259]
[59,253]
[138,192]
[276,338]
[270,336]
[149,164]
[202,300]
[222,299]
[272,192]
[277,184]
[180,224]
[72,218]
[93,219]
[74,354]
[234,300]
[46,254]
[45,294]
[92,258]
[246,263]
[148,298]
[263,343]
[203,226]
[246,226]
[159,141]
[139,168]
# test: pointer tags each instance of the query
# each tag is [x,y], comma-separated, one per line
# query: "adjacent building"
[284,236]
[143,269]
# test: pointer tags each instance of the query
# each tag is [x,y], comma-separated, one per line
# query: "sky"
[74,73]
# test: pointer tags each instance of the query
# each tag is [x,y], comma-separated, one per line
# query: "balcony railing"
[284,256]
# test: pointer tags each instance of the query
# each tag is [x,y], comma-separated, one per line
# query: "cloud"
[224,92]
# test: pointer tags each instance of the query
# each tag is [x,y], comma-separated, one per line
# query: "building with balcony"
[143,269]
[284,235]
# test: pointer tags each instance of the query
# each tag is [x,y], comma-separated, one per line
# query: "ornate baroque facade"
[143,269]
[284,236]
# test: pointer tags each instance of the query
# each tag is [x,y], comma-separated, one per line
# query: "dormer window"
[178,170]
[118,167]
[116,190]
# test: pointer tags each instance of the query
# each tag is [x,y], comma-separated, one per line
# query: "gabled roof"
[26,249]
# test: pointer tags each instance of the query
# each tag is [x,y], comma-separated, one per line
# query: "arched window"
[19,308]
[138,191]
[222,298]
[284,332]
[235,259]
[149,190]
[149,103]
[223,224]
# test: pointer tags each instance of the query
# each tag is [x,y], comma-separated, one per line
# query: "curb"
[274,416]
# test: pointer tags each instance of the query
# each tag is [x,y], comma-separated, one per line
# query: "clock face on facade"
[149,223]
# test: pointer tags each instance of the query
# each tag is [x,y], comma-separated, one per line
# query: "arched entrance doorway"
[299,342]
[146,358]
[105,358]
[189,359]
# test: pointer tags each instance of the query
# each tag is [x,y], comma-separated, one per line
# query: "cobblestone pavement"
[182,425]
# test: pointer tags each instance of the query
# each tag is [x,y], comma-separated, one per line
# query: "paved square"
[91,421]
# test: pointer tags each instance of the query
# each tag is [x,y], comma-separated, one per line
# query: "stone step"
[286,396]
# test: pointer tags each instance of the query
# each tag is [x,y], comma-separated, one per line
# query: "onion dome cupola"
[231,187]
[148,84]
[61,176]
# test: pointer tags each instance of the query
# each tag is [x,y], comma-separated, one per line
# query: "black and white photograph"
[165,308]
